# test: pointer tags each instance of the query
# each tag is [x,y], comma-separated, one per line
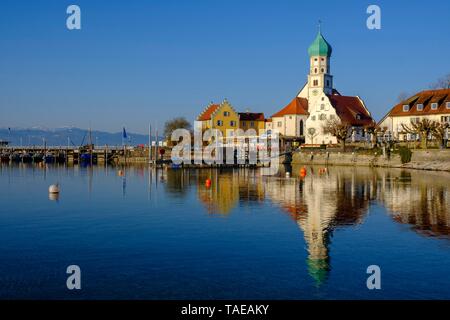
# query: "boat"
[15,157]
[26,157]
[4,157]
[38,157]
[49,158]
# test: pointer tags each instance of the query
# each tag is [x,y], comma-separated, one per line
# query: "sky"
[139,62]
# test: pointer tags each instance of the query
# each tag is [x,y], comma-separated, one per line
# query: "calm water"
[163,234]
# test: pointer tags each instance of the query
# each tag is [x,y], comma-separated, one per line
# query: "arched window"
[301,127]
[315,70]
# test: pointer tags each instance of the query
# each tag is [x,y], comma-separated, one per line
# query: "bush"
[405,154]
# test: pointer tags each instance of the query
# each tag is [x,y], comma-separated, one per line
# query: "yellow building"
[219,116]
[251,120]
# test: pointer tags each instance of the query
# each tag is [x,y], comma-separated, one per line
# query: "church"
[303,119]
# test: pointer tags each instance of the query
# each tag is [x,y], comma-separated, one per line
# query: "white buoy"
[288,174]
[54,188]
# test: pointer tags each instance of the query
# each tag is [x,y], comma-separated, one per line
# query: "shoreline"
[427,160]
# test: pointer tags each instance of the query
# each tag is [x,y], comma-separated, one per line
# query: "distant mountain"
[60,136]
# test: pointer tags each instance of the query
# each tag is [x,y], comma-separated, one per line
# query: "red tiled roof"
[250,116]
[206,114]
[351,110]
[427,97]
[296,106]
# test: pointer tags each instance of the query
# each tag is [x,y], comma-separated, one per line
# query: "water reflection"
[325,200]
[319,202]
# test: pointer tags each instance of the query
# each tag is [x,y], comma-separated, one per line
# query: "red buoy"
[303,172]
[208,183]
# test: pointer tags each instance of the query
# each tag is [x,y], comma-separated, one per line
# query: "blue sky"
[136,62]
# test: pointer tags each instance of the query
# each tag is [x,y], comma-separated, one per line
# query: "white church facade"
[318,102]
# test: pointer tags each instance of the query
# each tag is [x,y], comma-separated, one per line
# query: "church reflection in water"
[325,200]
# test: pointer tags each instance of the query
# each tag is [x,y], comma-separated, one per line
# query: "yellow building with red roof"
[218,116]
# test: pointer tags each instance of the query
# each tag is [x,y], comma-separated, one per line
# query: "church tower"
[319,78]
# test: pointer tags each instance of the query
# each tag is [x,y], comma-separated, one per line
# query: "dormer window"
[405,107]
[434,106]
[358,117]
[420,107]
[447,105]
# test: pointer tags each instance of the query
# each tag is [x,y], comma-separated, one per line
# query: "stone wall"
[421,159]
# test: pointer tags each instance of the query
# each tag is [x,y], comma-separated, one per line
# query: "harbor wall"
[421,159]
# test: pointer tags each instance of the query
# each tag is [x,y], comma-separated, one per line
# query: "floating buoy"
[288,174]
[303,172]
[54,188]
[208,183]
[53,196]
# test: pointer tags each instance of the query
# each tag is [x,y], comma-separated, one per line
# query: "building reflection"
[320,203]
[325,200]
[418,199]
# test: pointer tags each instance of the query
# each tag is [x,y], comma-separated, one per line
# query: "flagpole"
[149,143]
[156,145]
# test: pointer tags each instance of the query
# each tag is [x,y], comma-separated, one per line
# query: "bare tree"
[439,130]
[312,133]
[442,83]
[423,128]
[340,130]
[374,131]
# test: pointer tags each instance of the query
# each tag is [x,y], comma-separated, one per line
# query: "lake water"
[164,234]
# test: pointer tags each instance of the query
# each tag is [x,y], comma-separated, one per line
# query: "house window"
[332,117]
[244,124]
[232,123]
[323,59]
[358,117]
[447,105]
[279,124]
[328,83]
[252,124]
[322,70]
[420,107]
[322,107]
[315,82]
[315,70]
[405,108]
[226,113]
[313,118]
[434,106]
[445,119]
[219,123]
[301,127]
[415,120]
[323,117]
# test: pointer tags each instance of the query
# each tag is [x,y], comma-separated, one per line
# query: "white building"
[305,116]
[433,105]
